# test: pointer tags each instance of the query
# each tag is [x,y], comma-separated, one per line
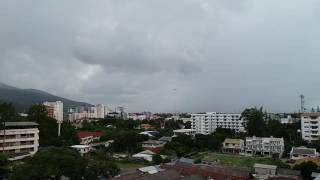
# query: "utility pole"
[59,128]
[302,101]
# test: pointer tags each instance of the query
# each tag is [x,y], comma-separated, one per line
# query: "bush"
[306,168]
[157,159]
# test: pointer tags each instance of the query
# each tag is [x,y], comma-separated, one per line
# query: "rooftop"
[14,124]
[153,142]
[84,134]
[303,150]
[315,114]
[80,146]
[265,166]
[183,130]
[232,141]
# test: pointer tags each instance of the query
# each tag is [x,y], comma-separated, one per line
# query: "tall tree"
[7,112]
[254,121]
[128,141]
[100,168]
[4,166]
[48,126]
[52,162]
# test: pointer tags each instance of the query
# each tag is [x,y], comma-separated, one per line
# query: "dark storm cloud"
[193,55]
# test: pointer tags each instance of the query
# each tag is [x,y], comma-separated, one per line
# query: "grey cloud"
[219,55]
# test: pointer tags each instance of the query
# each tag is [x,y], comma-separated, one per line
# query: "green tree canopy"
[100,168]
[157,159]
[52,162]
[128,141]
[254,121]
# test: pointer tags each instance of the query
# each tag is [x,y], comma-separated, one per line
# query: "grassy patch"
[240,161]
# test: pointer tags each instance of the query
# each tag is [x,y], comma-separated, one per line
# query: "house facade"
[233,146]
[264,146]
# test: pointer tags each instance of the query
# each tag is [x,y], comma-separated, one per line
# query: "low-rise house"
[265,169]
[20,139]
[82,149]
[144,155]
[190,132]
[150,144]
[87,137]
[264,146]
[146,127]
[297,153]
[233,145]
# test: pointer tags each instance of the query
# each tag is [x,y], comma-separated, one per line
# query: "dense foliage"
[306,168]
[52,162]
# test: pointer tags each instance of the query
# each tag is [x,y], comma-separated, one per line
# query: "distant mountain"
[22,99]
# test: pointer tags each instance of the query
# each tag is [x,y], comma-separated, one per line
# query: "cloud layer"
[193,55]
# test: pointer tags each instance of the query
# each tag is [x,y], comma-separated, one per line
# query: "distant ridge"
[22,99]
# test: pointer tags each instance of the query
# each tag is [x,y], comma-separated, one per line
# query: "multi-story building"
[310,126]
[264,146]
[233,145]
[100,111]
[55,110]
[207,123]
[19,139]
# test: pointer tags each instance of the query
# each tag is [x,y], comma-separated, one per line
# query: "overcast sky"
[165,55]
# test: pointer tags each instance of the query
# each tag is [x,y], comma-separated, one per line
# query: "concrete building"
[310,126]
[190,132]
[297,153]
[55,110]
[19,139]
[265,169]
[100,111]
[265,146]
[83,149]
[207,123]
[233,145]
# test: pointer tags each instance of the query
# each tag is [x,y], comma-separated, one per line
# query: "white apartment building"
[19,139]
[264,146]
[207,123]
[55,110]
[100,111]
[310,126]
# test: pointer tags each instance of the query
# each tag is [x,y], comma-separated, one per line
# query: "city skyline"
[165,56]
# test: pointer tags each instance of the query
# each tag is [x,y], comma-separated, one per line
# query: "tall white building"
[207,123]
[55,110]
[310,126]
[100,110]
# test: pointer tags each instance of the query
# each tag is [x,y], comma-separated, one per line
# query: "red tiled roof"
[155,150]
[84,134]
